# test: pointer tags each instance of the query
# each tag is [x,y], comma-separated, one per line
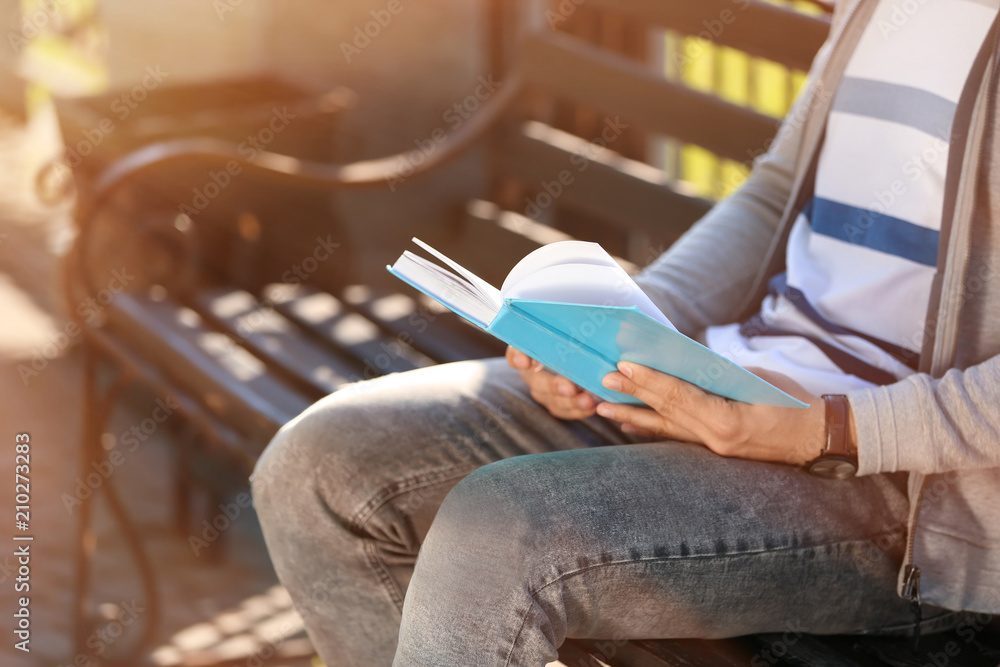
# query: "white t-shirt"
[862,254]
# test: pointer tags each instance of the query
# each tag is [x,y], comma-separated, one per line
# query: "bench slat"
[439,334]
[628,193]
[509,236]
[798,649]
[276,340]
[758,28]
[225,377]
[331,321]
[233,445]
[736,652]
[614,84]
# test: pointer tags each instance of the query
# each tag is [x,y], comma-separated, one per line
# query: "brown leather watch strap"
[836,461]
[836,425]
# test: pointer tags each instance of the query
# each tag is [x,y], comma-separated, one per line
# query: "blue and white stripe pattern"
[863,252]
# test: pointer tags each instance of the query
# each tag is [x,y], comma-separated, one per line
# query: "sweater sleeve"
[927,425]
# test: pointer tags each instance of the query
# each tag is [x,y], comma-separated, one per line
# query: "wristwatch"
[836,461]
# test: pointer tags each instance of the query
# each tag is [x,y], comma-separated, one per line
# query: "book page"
[448,288]
[577,272]
[586,284]
[489,292]
[562,252]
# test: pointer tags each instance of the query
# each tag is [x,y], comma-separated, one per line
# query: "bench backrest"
[584,185]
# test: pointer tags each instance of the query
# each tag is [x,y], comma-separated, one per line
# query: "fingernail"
[584,402]
[625,369]
[606,411]
[566,389]
[612,382]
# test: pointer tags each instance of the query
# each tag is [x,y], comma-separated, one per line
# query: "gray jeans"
[531,530]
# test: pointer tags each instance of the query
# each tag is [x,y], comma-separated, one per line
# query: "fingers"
[686,411]
[559,396]
[682,411]
[516,359]
[645,421]
[657,390]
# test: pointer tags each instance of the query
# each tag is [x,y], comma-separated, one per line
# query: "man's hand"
[681,411]
[559,396]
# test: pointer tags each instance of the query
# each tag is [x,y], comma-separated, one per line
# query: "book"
[570,306]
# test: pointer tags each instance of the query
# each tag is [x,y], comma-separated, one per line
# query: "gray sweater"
[942,424]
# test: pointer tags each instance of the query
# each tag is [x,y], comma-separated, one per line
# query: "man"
[855,269]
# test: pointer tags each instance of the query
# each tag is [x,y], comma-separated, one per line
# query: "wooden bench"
[213,324]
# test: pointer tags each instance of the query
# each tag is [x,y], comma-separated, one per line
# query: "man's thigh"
[391,448]
[660,540]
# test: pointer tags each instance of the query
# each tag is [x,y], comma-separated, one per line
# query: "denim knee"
[495,514]
[281,473]
[307,453]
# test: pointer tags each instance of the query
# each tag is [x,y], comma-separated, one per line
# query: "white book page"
[489,291]
[577,272]
[562,252]
[448,288]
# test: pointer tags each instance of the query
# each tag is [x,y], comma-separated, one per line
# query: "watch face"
[831,467]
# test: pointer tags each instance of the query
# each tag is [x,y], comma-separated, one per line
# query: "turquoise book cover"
[583,341]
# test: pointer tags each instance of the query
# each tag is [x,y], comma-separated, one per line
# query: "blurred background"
[85,82]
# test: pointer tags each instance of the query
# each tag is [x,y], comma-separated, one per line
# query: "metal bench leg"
[97,409]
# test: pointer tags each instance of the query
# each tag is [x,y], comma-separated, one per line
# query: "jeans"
[530,530]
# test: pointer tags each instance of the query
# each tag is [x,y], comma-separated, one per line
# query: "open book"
[574,309]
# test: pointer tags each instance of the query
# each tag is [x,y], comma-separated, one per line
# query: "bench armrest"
[274,167]
[290,170]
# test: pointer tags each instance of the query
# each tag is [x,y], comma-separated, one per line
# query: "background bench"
[214,320]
